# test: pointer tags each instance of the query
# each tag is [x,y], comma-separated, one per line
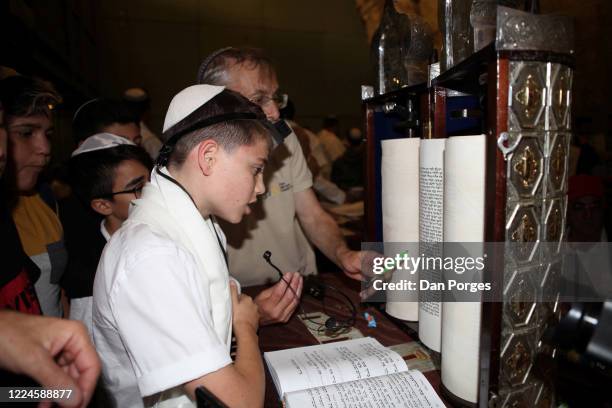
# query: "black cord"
[267,255]
[337,324]
[353,310]
[211,218]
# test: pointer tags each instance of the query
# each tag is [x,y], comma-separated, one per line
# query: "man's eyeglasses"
[279,99]
[137,191]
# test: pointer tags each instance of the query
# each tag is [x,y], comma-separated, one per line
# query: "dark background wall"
[320,47]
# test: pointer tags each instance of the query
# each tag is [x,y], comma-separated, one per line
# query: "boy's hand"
[277,303]
[245,313]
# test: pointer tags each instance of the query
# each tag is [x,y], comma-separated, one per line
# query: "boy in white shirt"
[164,307]
[107,172]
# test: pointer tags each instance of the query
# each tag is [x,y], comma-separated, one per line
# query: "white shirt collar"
[104,231]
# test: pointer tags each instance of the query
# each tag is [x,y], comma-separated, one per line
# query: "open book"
[352,373]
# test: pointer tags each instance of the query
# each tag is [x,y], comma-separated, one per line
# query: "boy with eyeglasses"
[107,172]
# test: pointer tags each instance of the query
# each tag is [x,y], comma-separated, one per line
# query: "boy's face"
[129,175]
[239,178]
[30,148]
[130,131]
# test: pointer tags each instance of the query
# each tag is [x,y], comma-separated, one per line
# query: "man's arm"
[56,353]
[322,230]
[241,384]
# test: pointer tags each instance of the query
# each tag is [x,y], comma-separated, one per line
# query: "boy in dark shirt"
[18,271]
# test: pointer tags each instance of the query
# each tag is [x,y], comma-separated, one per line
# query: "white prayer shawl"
[169,211]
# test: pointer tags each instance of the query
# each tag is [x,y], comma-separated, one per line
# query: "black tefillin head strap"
[184,127]
[279,130]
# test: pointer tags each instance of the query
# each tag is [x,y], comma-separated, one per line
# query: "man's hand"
[357,264]
[56,353]
[277,303]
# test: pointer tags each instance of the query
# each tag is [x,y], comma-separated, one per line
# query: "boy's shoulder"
[135,251]
[138,236]
[135,240]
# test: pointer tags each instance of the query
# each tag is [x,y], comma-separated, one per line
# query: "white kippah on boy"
[162,303]
[101,141]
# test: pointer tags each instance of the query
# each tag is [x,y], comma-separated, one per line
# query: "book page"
[407,390]
[332,363]
[464,213]
[431,190]
[431,236]
[400,214]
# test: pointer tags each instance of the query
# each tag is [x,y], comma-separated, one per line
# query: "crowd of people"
[131,263]
[147,241]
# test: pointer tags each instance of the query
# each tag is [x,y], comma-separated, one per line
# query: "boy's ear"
[207,155]
[102,206]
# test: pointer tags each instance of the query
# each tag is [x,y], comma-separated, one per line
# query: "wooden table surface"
[295,334]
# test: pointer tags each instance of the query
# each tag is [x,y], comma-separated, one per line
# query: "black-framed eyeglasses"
[137,191]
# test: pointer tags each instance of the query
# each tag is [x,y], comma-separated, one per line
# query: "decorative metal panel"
[518,30]
[539,105]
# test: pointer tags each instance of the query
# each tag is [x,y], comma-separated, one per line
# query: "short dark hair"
[229,134]
[213,70]
[26,96]
[92,174]
[93,116]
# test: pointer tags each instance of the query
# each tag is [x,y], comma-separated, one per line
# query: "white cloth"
[162,307]
[81,309]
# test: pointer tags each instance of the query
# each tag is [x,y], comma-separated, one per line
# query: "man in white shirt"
[164,307]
